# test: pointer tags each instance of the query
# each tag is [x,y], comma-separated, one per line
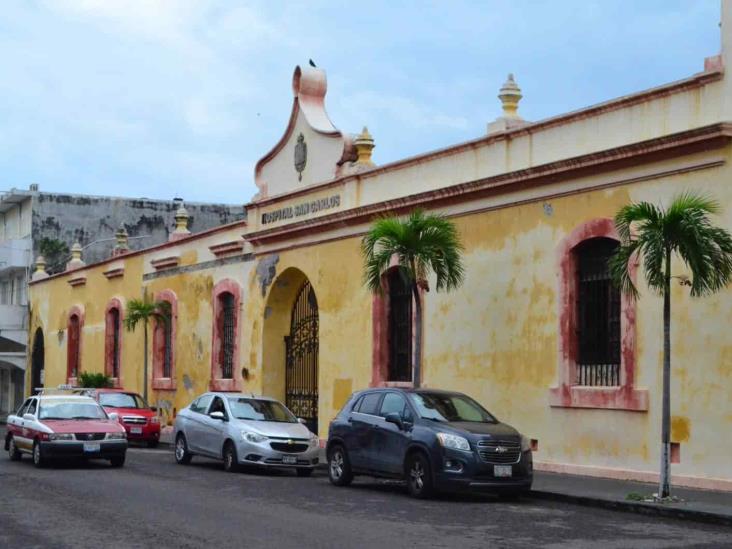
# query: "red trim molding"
[74,343]
[165,262]
[227,248]
[159,382]
[567,394]
[380,335]
[219,383]
[114,303]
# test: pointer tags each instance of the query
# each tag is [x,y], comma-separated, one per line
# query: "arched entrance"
[290,345]
[301,357]
[37,361]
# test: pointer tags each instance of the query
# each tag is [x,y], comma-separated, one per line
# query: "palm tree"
[143,310]
[654,235]
[422,244]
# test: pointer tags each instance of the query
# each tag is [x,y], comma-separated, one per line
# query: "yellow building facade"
[277,305]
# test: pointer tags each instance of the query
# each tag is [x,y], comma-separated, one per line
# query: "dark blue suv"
[435,440]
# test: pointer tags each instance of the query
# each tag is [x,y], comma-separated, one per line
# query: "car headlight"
[253,437]
[155,420]
[525,444]
[60,436]
[454,442]
[314,440]
[116,436]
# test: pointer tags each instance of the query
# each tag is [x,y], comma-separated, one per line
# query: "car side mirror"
[217,415]
[301,420]
[114,416]
[29,417]
[395,418]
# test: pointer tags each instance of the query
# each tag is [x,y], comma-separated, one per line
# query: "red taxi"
[139,420]
[64,426]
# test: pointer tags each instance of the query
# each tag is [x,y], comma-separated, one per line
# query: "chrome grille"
[290,447]
[134,420]
[499,451]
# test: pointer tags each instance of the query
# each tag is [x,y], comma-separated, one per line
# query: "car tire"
[419,476]
[13,453]
[231,460]
[304,472]
[182,455]
[117,461]
[339,466]
[38,458]
[152,443]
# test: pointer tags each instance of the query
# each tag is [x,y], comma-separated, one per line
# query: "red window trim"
[114,303]
[77,310]
[566,394]
[380,335]
[217,383]
[159,382]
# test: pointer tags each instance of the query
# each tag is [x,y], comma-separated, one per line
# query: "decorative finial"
[510,95]
[40,272]
[76,260]
[122,246]
[181,224]
[364,144]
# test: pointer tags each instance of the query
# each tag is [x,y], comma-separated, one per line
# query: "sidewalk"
[699,505]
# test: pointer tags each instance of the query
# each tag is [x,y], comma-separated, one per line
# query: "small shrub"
[94,380]
[635,496]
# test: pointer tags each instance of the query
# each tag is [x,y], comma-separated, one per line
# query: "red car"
[139,420]
[64,426]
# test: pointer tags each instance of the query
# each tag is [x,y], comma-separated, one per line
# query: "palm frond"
[644,213]
[143,310]
[620,268]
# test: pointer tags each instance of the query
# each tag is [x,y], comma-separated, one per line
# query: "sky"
[158,99]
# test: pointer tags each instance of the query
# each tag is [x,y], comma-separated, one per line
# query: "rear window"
[370,404]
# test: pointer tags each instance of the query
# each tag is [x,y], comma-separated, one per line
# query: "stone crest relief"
[301,155]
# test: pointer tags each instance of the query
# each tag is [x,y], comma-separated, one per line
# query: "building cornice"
[705,138]
[696,81]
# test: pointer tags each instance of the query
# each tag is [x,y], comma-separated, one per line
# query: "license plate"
[502,470]
[91,446]
[291,460]
[136,430]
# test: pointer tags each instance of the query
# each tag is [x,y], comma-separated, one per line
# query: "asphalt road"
[152,502]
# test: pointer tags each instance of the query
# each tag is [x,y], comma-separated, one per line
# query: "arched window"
[598,315]
[164,344]
[596,329]
[113,341]
[73,345]
[400,328]
[225,375]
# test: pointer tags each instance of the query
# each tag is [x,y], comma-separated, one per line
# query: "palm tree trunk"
[144,386]
[417,336]
[664,488]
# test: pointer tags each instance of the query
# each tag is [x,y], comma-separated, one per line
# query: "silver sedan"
[244,430]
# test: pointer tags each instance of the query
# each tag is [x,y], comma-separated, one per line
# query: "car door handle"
[350,420]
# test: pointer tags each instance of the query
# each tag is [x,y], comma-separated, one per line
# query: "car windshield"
[260,410]
[450,407]
[71,409]
[121,400]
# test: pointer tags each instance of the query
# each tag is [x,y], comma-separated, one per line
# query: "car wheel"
[13,451]
[339,467]
[419,476]
[304,472]
[182,455]
[231,461]
[38,459]
[117,461]
[152,443]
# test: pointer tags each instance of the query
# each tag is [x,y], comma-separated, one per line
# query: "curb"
[637,507]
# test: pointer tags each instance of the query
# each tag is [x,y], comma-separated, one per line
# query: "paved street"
[152,502]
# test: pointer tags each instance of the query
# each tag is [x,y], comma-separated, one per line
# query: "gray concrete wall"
[71,218]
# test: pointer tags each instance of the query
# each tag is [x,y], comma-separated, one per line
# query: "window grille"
[114,314]
[227,339]
[598,315]
[400,328]
[73,346]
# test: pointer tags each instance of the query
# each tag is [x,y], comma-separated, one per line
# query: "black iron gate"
[301,355]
